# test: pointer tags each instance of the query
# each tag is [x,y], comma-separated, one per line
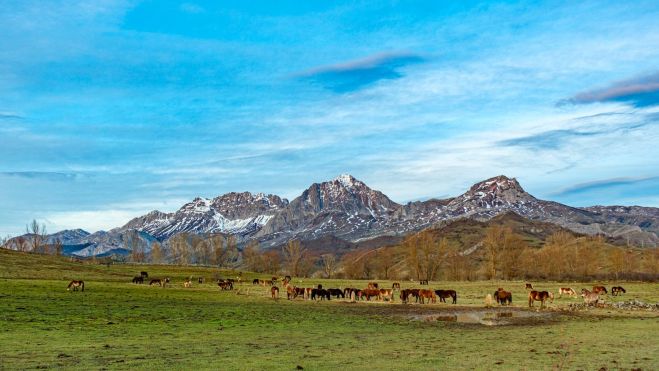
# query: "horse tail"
[82,285]
[455,298]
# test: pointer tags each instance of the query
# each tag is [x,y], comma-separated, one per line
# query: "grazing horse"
[395,286]
[617,290]
[427,294]
[567,291]
[291,292]
[138,279]
[323,294]
[159,282]
[144,274]
[349,291]
[75,284]
[423,282]
[387,294]
[590,298]
[307,292]
[187,284]
[225,285]
[256,281]
[267,283]
[443,294]
[529,286]
[336,292]
[503,296]
[541,296]
[274,291]
[599,290]
[200,280]
[372,285]
[369,293]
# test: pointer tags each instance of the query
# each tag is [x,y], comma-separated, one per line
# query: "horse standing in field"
[590,298]
[541,296]
[369,293]
[138,280]
[372,285]
[423,282]
[427,294]
[144,274]
[443,294]
[336,292]
[75,284]
[599,290]
[387,294]
[159,282]
[567,291]
[323,294]
[529,286]
[200,280]
[395,286]
[187,284]
[225,285]
[291,292]
[617,290]
[274,291]
[502,296]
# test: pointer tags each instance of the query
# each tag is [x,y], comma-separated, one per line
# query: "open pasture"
[117,324]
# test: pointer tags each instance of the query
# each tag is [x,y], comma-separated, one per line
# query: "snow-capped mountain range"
[347,209]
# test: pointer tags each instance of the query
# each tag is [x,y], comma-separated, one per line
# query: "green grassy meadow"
[118,325]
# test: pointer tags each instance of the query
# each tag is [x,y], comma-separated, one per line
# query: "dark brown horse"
[321,293]
[291,292]
[144,274]
[541,296]
[427,294]
[274,291]
[138,279]
[256,281]
[599,290]
[225,285]
[502,296]
[338,293]
[529,286]
[75,284]
[396,286]
[443,294]
[423,282]
[617,290]
[200,280]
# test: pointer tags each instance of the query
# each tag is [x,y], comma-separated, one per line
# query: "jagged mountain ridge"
[347,209]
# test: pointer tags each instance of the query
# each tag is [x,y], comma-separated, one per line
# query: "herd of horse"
[374,292]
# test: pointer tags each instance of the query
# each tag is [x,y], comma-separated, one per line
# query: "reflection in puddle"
[488,318]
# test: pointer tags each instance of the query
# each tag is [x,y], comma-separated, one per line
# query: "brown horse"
[291,292]
[159,282]
[369,293]
[617,290]
[225,285]
[187,284]
[338,293]
[529,286]
[443,294]
[144,274]
[590,298]
[274,291]
[372,285]
[200,280]
[541,296]
[599,290]
[395,286]
[567,291]
[423,282]
[427,294]
[138,280]
[503,296]
[387,294]
[75,284]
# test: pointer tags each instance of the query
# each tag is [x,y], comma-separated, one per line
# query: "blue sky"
[109,109]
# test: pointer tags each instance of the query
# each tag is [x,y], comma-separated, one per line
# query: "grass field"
[115,324]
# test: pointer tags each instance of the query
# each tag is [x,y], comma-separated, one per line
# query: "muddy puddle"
[486,317]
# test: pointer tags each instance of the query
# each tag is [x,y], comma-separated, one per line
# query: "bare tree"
[293,254]
[37,236]
[180,248]
[425,254]
[156,253]
[329,264]
[137,253]
[58,247]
